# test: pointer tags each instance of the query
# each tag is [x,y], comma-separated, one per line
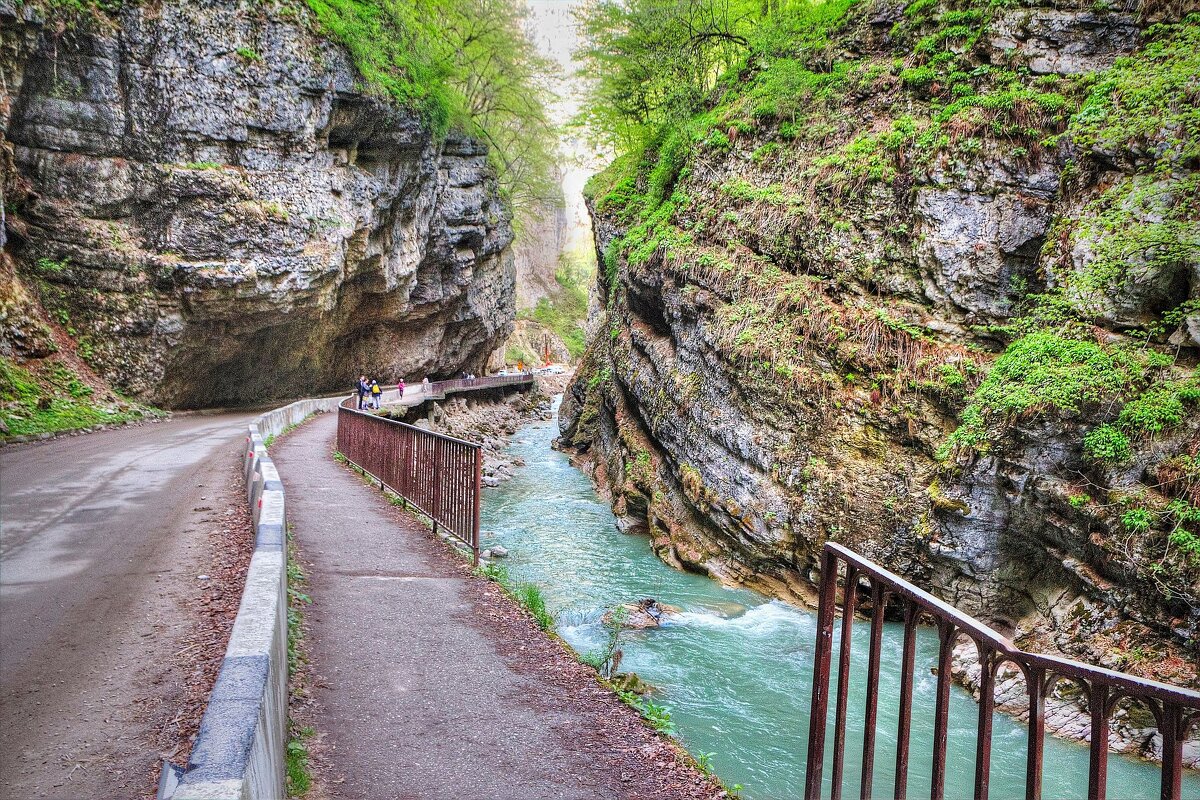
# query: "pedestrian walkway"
[428,685]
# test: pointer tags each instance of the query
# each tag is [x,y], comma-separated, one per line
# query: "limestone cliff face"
[784,360]
[209,200]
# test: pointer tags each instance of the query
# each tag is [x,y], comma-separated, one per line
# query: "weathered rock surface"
[207,197]
[742,433]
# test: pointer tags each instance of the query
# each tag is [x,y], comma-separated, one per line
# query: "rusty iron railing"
[438,475]
[486,382]
[1175,709]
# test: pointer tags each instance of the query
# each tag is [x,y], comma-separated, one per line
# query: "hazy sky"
[555,35]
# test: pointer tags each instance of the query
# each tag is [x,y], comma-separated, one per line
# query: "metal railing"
[438,475]
[486,382]
[1175,709]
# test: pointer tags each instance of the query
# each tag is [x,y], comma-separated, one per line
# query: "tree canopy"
[461,63]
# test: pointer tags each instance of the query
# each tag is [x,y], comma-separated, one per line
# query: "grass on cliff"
[56,399]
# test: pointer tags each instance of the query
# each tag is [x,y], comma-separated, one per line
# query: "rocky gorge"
[926,284]
[217,210]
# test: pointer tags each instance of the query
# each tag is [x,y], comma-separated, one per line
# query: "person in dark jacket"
[361,388]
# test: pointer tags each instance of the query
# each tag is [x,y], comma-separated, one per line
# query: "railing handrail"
[1103,687]
[1004,645]
[391,421]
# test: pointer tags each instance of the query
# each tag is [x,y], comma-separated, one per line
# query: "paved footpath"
[423,690]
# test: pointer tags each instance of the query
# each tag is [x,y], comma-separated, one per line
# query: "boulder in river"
[645,613]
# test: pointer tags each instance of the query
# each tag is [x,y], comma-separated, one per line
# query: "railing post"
[941,714]
[878,601]
[1171,726]
[912,614]
[1036,686]
[437,483]
[983,736]
[849,601]
[1098,763]
[477,501]
[821,661]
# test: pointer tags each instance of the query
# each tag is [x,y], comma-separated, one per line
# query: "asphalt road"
[101,538]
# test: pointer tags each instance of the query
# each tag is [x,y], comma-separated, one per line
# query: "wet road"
[101,537]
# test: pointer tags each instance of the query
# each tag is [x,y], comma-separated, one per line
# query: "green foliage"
[249,54]
[497,573]
[46,266]
[1159,407]
[391,47]
[565,311]
[56,400]
[299,779]
[529,595]
[652,62]
[1107,444]
[1137,520]
[612,263]
[1148,102]
[1143,224]
[1044,371]
[659,716]
[604,659]
[459,62]
[1079,500]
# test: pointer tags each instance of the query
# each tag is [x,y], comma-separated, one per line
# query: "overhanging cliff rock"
[198,191]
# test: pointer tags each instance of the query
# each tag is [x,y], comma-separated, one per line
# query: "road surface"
[101,541]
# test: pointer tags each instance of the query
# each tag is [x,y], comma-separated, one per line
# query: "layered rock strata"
[783,362]
[197,191]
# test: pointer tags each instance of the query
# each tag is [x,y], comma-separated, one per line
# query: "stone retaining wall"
[239,751]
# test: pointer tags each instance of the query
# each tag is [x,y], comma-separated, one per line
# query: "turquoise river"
[735,667]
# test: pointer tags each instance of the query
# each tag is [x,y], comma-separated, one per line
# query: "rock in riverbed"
[645,613]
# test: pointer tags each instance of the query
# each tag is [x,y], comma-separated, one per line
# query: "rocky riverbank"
[491,421]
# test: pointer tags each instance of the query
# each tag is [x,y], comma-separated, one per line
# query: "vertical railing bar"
[476,500]
[1098,762]
[868,757]
[911,614]
[1036,686]
[849,598]
[822,656]
[1171,727]
[983,736]
[941,715]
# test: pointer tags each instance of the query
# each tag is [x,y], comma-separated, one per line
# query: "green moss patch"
[54,400]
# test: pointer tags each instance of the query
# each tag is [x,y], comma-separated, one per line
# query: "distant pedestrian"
[425,385]
[376,394]
[400,387]
[361,388]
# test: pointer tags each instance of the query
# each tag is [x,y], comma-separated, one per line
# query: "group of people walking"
[370,393]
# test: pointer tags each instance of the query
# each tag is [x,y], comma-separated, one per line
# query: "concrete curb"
[239,752]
